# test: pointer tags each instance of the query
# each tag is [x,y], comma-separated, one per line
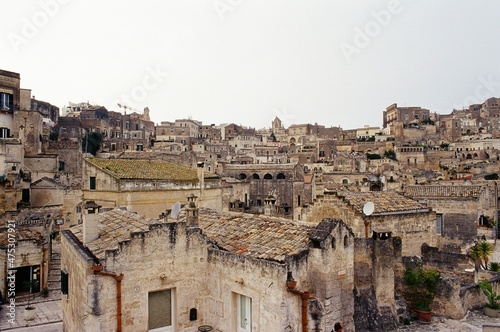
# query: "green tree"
[390,154]
[91,142]
[480,252]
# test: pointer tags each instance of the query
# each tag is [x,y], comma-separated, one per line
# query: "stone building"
[411,156]
[283,181]
[147,186]
[30,262]
[225,271]
[461,211]
[408,219]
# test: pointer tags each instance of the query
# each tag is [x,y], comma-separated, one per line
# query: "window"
[64,282]
[439,224]
[280,176]
[139,147]
[4,132]
[6,101]
[127,125]
[161,311]
[92,183]
[244,313]
[268,176]
[61,165]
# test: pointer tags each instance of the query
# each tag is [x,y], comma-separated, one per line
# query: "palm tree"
[480,252]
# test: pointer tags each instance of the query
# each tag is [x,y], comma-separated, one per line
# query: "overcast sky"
[336,63]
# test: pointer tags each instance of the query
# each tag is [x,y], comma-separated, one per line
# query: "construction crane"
[125,107]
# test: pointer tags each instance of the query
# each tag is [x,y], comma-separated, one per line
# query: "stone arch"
[255,176]
[268,176]
[242,176]
[280,176]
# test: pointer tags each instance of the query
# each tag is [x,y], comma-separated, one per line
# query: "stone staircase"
[54,280]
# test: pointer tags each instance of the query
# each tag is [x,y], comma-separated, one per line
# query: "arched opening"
[242,176]
[346,241]
[268,176]
[255,176]
[280,176]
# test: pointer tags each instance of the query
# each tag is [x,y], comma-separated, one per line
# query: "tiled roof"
[255,236]
[384,202]
[444,191]
[21,234]
[115,226]
[146,169]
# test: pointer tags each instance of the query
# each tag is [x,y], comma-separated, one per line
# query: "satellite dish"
[176,209]
[368,208]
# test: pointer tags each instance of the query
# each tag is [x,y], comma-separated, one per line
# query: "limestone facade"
[139,190]
[208,273]
[413,222]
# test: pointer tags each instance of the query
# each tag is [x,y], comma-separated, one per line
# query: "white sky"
[248,61]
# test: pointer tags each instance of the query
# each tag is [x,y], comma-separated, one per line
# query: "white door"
[244,314]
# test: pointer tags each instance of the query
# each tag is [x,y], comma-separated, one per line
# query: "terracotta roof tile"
[147,169]
[21,234]
[249,235]
[384,202]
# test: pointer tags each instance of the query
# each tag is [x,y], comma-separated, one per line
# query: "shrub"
[422,285]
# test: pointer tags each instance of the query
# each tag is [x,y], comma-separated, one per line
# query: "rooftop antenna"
[176,209]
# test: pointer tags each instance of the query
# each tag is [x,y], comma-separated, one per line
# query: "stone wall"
[377,262]
[41,166]
[209,280]
[414,228]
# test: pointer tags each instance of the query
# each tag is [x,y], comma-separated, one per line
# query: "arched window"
[346,241]
[345,181]
[334,243]
[242,176]
[256,176]
[280,176]
[268,176]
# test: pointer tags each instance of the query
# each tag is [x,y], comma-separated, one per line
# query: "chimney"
[269,207]
[200,166]
[90,224]
[192,212]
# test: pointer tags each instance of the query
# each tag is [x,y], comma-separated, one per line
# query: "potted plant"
[493,305]
[29,310]
[45,292]
[422,288]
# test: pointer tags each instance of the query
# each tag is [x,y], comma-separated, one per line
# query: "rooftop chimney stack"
[192,212]
[90,224]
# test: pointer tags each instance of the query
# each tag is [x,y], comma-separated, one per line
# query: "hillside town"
[188,226]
